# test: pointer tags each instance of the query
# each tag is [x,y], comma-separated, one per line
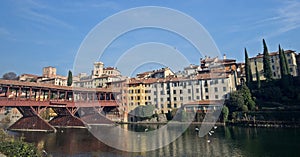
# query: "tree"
[248,101]
[225,113]
[257,78]
[10,76]
[248,69]
[239,99]
[266,62]
[282,62]
[70,78]
[286,63]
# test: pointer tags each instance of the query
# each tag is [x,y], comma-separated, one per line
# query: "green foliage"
[16,147]
[143,112]
[10,76]
[282,62]
[70,78]
[266,63]
[257,78]
[248,100]
[225,113]
[240,98]
[245,108]
[248,69]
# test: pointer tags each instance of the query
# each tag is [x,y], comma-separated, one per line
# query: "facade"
[58,80]
[161,73]
[28,77]
[49,72]
[257,62]
[111,71]
[98,69]
[100,77]
[173,92]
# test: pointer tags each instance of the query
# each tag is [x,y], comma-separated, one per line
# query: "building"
[257,62]
[58,80]
[28,78]
[161,73]
[98,69]
[49,72]
[173,92]
[111,71]
[100,78]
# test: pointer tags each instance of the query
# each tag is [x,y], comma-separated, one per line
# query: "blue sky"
[35,34]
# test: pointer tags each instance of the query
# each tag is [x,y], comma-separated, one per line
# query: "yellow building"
[257,61]
[136,93]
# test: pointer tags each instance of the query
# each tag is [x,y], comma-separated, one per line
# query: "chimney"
[224,56]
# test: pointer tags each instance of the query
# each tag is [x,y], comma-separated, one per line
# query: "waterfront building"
[257,61]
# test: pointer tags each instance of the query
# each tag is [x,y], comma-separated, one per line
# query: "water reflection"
[225,141]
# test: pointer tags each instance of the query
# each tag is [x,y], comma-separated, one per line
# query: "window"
[224,89]
[154,92]
[190,98]
[162,105]
[168,99]
[216,89]
[138,97]
[206,90]
[272,60]
[174,91]
[169,105]
[216,96]
[205,83]
[175,105]
[162,92]
[189,91]
[222,80]
[274,74]
[198,97]
[290,61]
[155,99]
[197,90]
[207,97]
[161,99]
[273,67]
[180,91]
[181,98]
[175,99]
[216,81]
[291,70]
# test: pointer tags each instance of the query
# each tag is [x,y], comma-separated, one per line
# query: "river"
[225,141]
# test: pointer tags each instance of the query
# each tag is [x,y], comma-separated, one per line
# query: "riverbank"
[268,124]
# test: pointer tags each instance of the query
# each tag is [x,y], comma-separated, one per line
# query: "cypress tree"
[257,78]
[248,69]
[70,78]
[282,63]
[266,62]
[286,63]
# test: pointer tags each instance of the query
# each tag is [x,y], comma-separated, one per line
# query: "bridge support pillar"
[31,121]
[65,118]
[93,116]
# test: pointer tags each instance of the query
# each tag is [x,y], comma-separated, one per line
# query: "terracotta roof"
[50,86]
[31,75]
[272,54]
